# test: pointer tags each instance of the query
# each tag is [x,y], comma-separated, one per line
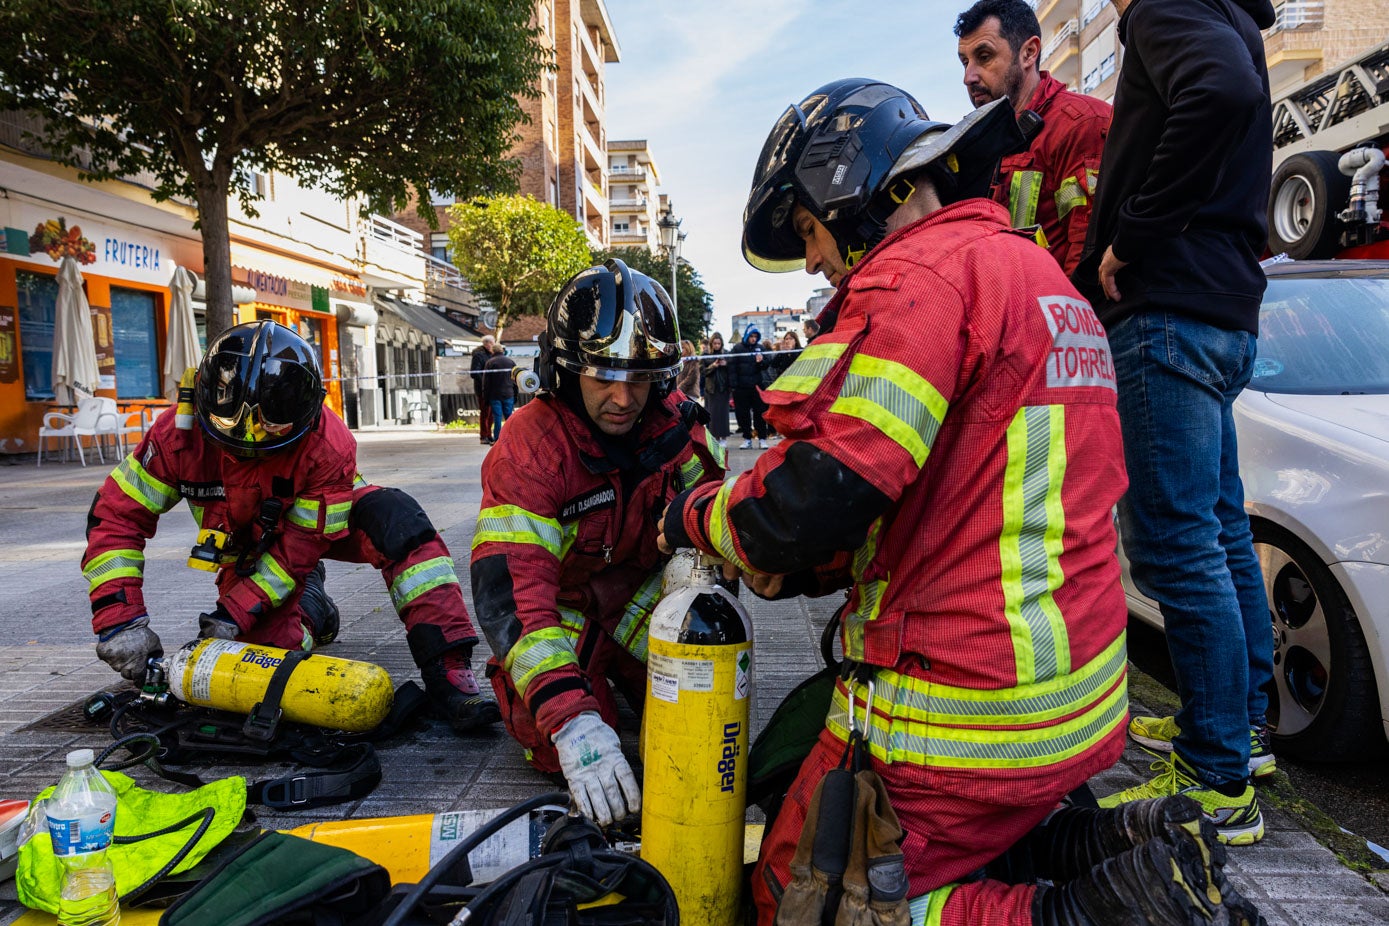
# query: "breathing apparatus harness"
[155,728]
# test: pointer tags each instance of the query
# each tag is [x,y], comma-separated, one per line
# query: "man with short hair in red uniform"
[272,475]
[952,456]
[565,566]
[1050,185]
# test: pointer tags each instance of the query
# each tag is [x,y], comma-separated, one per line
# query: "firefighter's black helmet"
[839,152]
[259,389]
[612,323]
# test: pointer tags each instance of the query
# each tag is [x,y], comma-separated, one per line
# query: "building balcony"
[393,248]
[627,175]
[1046,9]
[628,204]
[630,237]
[444,282]
[1290,53]
[1297,14]
[1066,40]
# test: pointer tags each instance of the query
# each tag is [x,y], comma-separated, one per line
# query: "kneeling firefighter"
[942,464]
[270,477]
[565,568]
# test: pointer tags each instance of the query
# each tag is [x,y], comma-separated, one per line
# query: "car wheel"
[1308,190]
[1325,705]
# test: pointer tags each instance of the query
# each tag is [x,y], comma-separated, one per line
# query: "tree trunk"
[212,192]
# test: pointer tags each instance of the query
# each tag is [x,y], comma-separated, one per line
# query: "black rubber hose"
[458,852]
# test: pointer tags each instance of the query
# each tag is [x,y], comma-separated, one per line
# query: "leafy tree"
[516,250]
[380,98]
[693,301]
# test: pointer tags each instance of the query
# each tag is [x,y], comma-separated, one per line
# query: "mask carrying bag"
[848,868]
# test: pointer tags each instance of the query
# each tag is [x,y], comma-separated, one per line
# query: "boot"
[320,613]
[1159,883]
[1075,839]
[451,685]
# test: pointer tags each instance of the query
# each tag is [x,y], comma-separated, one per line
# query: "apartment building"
[633,202]
[1080,44]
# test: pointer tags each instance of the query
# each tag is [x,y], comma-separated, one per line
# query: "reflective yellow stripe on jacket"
[113,564]
[896,400]
[539,651]
[920,723]
[271,578]
[631,631]
[135,481]
[1024,192]
[304,513]
[514,524]
[1029,545]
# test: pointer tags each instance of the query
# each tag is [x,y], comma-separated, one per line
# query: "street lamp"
[671,239]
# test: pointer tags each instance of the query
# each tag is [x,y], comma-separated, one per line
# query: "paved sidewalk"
[47,662]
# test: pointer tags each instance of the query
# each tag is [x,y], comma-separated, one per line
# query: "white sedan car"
[1313,431]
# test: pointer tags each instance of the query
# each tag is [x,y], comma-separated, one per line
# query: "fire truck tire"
[1308,190]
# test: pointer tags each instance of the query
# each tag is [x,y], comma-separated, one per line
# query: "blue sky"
[704,80]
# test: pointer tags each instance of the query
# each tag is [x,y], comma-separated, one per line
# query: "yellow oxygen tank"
[698,694]
[324,691]
[408,847]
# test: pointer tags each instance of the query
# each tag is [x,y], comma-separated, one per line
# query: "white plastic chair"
[135,423]
[95,418]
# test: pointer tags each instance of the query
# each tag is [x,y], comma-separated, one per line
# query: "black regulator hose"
[417,893]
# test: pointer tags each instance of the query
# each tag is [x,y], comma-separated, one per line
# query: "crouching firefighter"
[270,477]
[952,456]
[565,568]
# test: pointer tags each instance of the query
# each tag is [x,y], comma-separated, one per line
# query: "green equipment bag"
[281,878]
[779,750]
[156,835]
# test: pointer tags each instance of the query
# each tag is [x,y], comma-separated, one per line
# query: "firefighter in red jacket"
[952,456]
[1049,186]
[565,566]
[270,477]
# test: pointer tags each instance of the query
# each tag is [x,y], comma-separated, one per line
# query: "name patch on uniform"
[1080,351]
[202,491]
[596,500]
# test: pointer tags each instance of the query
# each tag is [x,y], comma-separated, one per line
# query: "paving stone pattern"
[47,662]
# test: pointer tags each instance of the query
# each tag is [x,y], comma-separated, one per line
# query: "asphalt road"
[1354,794]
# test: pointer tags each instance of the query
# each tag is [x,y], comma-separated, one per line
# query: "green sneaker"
[1157,733]
[1237,820]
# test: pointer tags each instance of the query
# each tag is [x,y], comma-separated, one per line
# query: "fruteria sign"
[44,236]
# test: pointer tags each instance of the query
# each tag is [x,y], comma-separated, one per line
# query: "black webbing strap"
[353,776]
[264,719]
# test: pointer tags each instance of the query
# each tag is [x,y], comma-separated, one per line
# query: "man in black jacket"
[482,354]
[1172,267]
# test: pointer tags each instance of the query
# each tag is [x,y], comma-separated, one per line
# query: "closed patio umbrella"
[182,351]
[74,347]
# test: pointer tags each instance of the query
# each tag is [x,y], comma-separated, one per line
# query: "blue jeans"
[1186,532]
[501,410]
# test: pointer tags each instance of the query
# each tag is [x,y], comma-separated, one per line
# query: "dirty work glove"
[217,625]
[599,777]
[129,647]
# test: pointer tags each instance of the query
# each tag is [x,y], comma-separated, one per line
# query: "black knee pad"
[393,521]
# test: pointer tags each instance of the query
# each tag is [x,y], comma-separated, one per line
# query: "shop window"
[136,343]
[38,306]
[311,330]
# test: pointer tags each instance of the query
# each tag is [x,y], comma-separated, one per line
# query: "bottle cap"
[80,757]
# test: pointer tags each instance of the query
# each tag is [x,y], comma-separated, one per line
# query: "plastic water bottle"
[81,823]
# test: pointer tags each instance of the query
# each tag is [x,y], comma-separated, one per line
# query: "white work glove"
[218,625]
[599,777]
[129,648]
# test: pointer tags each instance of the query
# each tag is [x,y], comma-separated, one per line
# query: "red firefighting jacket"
[953,452]
[313,479]
[1052,184]
[562,536]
